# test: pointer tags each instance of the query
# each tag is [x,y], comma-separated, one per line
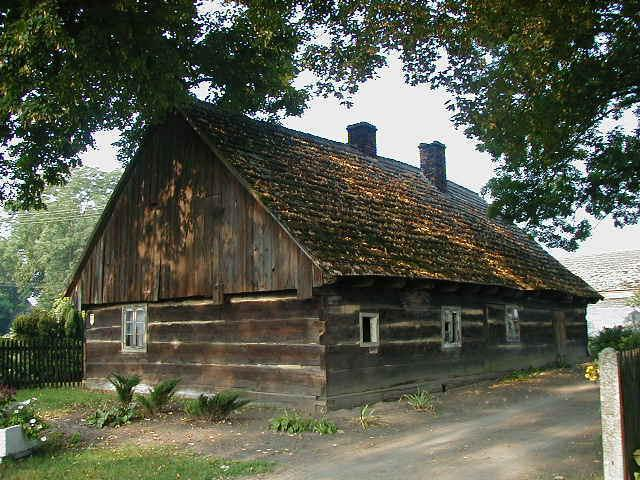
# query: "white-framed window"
[451,327]
[512,323]
[134,328]
[369,329]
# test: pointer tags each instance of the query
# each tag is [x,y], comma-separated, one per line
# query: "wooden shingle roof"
[360,215]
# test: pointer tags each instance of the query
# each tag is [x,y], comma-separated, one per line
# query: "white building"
[616,276]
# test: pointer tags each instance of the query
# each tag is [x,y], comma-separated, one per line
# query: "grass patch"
[117,464]
[293,422]
[65,399]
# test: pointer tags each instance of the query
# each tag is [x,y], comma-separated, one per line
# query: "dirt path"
[545,428]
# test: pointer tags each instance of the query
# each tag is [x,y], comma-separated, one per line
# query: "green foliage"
[11,304]
[64,311]
[158,397]
[293,422]
[324,426]
[113,417]
[57,92]
[634,301]
[21,413]
[124,386]
[37,323]
[41,247]
[542,86]
[141,463]
[367,417]
[63,320]
[619,338]
[216,407]
[423,401]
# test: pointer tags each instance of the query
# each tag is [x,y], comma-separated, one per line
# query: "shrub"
[159,396]
[293,422]
[422,401]
[73,324]
[37,323]
[113,417]
[25,326]
[124,387]
[216,407]
[608,338]
[630,341]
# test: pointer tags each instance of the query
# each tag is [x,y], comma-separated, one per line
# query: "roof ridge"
[340,146]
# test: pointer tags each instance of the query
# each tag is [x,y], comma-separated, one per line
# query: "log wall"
[410,351]
[269,349]
[181,225]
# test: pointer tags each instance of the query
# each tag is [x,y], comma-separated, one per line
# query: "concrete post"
[611,412]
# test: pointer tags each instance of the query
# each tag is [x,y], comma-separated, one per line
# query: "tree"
[542,86]
[44,246]
[69,68]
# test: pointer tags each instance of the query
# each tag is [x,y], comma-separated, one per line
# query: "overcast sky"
[405,116]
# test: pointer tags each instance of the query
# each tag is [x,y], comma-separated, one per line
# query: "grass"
[293,422]
[65,399]
[127,462]
[525,374]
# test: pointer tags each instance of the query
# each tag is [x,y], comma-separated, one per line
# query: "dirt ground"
[544,428]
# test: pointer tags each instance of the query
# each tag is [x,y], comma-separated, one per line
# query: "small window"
[451,327]
[134,328]
[369,329]
[512,324]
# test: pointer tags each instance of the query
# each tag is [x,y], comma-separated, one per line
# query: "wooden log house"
[240,254]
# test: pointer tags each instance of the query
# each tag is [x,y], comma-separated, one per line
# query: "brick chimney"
[434,164]
[363,137]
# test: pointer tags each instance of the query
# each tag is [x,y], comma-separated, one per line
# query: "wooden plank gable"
[183,226]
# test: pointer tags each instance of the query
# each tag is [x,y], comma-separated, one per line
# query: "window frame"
[374,329]
[444,311]
[513,339]
[123,340]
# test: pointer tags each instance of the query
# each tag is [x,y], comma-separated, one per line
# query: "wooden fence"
[620,410]
[40,363]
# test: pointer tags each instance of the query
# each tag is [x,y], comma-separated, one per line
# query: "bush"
[292,422]
[631,341]
[124,387]
[66,315]
[37,323]
[216,407]
[619,338]
[159,396]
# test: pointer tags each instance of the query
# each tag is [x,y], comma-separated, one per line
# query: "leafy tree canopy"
[542,86]
[42,247]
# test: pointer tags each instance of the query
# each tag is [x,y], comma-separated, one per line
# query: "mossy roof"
[361,215]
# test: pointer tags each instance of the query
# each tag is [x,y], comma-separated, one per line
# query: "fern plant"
[422,401]
[124,386]
[216,407]
[158,397]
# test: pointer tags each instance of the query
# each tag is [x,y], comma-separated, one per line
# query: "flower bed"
[21,429]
